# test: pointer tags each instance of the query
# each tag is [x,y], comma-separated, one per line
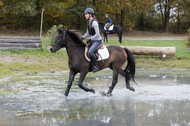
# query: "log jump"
[153,51]
[20,42]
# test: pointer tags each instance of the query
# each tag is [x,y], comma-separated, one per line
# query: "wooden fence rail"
[20,42]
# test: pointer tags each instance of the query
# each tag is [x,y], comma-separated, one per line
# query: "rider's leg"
[108,26]
[91,52]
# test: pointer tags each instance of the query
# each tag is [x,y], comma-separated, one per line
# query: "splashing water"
[39,100]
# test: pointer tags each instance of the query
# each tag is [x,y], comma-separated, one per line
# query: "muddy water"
[38,100]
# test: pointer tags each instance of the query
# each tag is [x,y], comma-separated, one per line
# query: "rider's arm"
[109,20]
[97,35]
[86,34]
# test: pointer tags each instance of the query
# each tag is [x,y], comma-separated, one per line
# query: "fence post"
[41,23]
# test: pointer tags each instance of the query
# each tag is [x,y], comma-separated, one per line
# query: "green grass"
[31,61]
[42,60]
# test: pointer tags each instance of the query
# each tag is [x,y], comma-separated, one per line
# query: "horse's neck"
[73,49]
[101,24]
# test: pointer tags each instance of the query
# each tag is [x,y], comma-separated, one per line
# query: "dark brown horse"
[78,64]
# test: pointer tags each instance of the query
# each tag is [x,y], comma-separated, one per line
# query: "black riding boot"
[94,63]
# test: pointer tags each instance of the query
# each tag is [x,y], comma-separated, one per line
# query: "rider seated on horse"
[109,22]
[96,39]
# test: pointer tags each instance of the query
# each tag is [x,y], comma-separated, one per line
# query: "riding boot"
[94,63]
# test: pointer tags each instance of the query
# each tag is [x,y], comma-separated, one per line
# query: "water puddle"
[160,100]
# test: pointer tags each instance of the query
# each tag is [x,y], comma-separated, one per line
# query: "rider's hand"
[82,38]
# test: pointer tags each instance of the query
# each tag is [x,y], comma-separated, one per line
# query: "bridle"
[58,46]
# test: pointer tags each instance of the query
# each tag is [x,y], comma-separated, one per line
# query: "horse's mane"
[75,38]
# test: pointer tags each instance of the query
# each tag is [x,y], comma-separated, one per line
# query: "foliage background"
[152,15]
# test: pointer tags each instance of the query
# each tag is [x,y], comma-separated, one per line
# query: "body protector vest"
[90,28]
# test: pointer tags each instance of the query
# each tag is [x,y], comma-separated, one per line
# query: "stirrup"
[95,69]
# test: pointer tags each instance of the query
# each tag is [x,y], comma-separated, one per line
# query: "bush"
[188,37]
[51,34]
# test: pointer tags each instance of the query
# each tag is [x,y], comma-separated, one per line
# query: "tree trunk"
[122,17]
[93,3]
[178,19]
[117,17]
[141,21]
[37,5]
[78,18]
[167,16]
[162,16]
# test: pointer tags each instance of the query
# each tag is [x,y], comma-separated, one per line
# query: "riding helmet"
[89,10]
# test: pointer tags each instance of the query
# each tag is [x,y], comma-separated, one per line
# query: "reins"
[62,41]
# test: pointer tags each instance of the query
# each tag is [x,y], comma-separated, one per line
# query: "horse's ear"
[60,31]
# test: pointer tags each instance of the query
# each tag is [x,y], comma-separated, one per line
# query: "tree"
[126,12]
[178,7]
[169,15]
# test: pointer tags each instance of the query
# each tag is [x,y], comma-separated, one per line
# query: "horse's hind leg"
[71,78]
[114,81]
[128,85]
[82,76]
[122,72]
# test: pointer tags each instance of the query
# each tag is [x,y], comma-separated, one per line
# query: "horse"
[116,29]
[77,63]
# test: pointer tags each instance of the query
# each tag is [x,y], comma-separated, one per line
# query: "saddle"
[110,27]
[89,44]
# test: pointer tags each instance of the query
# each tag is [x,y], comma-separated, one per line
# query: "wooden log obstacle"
[153,51]
[20,42]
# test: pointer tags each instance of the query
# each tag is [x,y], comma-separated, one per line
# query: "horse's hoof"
[132,89]
[66,94]
[92,90]
[108,95]
[105,94]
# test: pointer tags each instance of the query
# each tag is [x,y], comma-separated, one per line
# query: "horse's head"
[59,41]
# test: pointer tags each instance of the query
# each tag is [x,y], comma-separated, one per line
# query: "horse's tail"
[130,68]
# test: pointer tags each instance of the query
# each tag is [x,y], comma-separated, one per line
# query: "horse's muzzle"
[53,49]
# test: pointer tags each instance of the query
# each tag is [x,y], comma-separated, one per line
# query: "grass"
[42,60]
[31,61]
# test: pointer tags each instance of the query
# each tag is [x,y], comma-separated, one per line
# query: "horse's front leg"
[81,79]
[106,35]
[71,78]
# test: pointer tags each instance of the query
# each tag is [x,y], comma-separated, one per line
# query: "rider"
[109,22]
[96,39]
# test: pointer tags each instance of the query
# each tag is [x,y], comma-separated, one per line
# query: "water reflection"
[159,100]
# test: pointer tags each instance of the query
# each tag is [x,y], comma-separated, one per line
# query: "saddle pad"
[110,28]
[104,54]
